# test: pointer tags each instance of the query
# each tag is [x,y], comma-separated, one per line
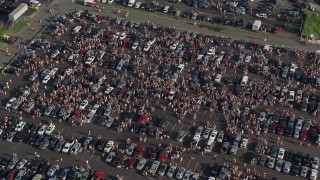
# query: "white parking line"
[188,164]
[201,173]
[195,166]
[92,155]
[84,154]
[98,159]
[181,128]
[173,128]
[165,128]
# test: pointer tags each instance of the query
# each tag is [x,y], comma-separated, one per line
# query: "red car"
[254,45]
[143,118]
[139,151]
[131,163]
[273,128]
[318,126]
[304,135]
[280,130]
[163,155]
[277,29]
[98,175]
[12,174]
[83,52]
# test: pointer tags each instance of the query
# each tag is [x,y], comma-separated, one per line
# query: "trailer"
[18,12]
[256,25]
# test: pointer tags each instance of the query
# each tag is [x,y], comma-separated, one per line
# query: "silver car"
[53,169]
[180,172]
[286,167]
[171,171]
[181,136]
[13,163]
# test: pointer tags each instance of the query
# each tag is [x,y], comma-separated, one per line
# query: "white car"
[88,117]
[286,167]
[262,15]
[108,90]
[180,172]
[218,78]
[187,175]
[293,67]
[247,59]
[67,146]
[109,122]
[313,174]
[135,46]
[146,47]
[281,153]
[304,171]
[206,133]
[109,146]
[21,163]
[108,111]
[55,54]
[10,102]
[130,149]
[22,172]
[95,108]
[279,164]
[315,163]
[46,79]
[171,171]
[220,137]
[50,129]
[110,157]
[42,129]
[271,162]
[262,116]
[53,169]
[137,5]
[19,127]
[141,164]
[110,1]
[166,9]
[244,143]
[171,95]
[174,46]
[83,104]
[213,135]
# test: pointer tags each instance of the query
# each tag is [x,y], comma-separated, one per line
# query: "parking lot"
[136,74]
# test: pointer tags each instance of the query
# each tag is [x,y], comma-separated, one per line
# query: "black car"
[313,133]
[288,131]
[143,129]
[288,156]
[35,167]
[19,137]
[30,138]
[43,169]
[53,143]
[5,163]
[297,160]
[307,160]
[136,127]
[163,121]
[35,128]
[101,145]
[38,141]
[295,170]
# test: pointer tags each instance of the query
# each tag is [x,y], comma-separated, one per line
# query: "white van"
[154,167]
[76,29]
[131,3]
[244,80]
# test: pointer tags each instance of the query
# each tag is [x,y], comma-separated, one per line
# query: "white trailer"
[256,25]
[18,12]
[86,2]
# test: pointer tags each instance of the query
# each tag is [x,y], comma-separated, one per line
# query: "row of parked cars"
[297,164]
[288,125]
[37,169]
[195,15]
